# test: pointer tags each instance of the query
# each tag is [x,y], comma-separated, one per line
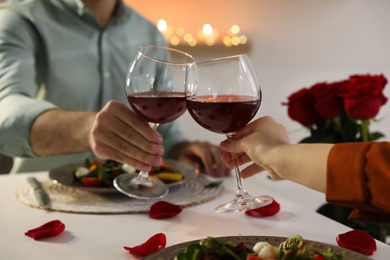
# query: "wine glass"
[155,87]
[226,97]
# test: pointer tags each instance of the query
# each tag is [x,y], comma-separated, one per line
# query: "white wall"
[295,44]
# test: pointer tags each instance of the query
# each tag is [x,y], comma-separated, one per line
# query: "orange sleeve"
[358,176]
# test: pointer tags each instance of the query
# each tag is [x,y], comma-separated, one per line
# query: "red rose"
[327,103]
[363,95]
[301,107]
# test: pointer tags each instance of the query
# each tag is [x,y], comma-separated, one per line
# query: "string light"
[206,36]
[162,25]
[207,29]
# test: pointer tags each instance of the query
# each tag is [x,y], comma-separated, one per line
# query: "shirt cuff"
[345,174]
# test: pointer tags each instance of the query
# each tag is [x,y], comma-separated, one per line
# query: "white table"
[89,236]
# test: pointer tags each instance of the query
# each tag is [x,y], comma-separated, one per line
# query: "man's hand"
[203,155]
[118,134]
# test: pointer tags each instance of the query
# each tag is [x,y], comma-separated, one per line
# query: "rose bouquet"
[339,111]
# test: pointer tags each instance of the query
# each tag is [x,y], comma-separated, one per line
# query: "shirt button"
[107,74]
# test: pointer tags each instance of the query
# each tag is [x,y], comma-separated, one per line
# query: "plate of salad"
[98,175]
[255,248]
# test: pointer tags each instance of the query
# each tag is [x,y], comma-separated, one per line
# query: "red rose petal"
[163,209]
[49,229]
[357,240]
[266,211]
[153,244]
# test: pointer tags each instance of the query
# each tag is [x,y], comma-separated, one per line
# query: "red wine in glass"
[158,107]
[223,114]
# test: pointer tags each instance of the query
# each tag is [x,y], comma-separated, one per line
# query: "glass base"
[133,186]
[244,202]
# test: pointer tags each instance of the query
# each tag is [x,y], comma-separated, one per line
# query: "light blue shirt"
[58,44]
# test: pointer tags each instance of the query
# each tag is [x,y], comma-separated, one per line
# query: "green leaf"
[375,136]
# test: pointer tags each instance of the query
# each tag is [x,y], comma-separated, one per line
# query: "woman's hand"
[257,143]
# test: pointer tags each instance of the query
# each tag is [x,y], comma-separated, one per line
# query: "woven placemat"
[73,200]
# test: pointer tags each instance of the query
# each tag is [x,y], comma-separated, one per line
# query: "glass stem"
[143,176]
[154,125]
[240,184]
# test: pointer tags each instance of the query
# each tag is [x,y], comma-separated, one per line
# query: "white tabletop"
[91,236]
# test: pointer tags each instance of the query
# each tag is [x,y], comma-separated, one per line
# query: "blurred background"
[292,44]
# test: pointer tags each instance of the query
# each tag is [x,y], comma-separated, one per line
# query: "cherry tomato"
[91,182]
[253,257]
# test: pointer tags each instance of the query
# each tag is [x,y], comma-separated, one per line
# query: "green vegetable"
[106,171]
[212,248]
[293,248]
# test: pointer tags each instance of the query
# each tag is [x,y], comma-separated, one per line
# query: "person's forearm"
[305,164]
[57,132]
